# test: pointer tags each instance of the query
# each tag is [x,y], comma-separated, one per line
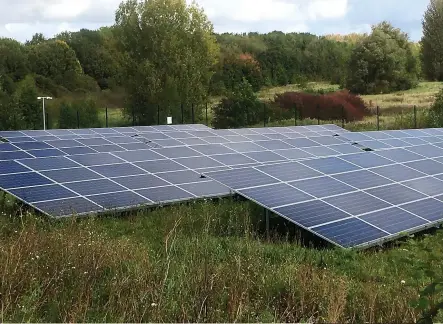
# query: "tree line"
[165,52]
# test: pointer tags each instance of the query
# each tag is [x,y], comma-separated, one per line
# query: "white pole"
[44,115]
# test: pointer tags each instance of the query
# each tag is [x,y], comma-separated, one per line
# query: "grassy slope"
[202,262]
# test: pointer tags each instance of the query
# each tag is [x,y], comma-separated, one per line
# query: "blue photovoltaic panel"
[96,159]
[399,155]
[32,145]
[233,159]
[350,232]
[5,156]
[93,187]
[245,147]
[139,156]
[428,151]
[430,209]
[301,142]
[116,200]
[374,145]
[357,203]
[177,152]
[180,177]
[265,156]
[46,153]
[328,140]
[165,194]
[366,160]
[322,187]
[330,165]
[396,194]
[216,139]
[160,166]
[206,189]
[274,145]
[243,178]
[117,170]
[70,175]
[427,166]
[429,185]
[40,164]
[106,148]
[42,193]
[8,167]
[28,179]
[212,149]
[312,213]
[362,179]
[321,151]
[394,220]
[199,162]
[4,147]
[289,171]
[68,207]
[345,148]
[275,195]
[398,172]
[64,143]
[395,142]
[294,154]
[78,150]
[141,181]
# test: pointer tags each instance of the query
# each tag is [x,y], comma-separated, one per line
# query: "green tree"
[432,41]
[383,62]
[28,104]
[68,116]
[11,117]
[55,60]
[87,111]
[13,60]
[241,108]
[170,51]
[36,39]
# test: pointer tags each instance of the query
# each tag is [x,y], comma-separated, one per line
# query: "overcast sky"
[20,19]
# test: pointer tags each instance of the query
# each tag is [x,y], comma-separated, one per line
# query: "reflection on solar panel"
[100,169]
[356,199]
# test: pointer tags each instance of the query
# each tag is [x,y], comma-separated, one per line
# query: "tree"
[68,116]
[28,104]
[432,41]
[383,62]
[241,108]
[13,60]
[170,51]
[55,60]
[37,39]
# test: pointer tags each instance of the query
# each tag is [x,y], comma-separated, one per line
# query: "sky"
[20,19]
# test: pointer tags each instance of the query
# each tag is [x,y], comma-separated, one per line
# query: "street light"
[44,112]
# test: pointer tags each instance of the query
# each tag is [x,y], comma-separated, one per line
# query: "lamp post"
[44,112]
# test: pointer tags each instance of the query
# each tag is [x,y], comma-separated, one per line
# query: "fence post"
[78,120]
[415,116]
[264,114]
[378,118]
[158,114]
[183,116]
[343,116]
[133,117]
[192,108]
[318,114]
[207,123]
[107,121]
[295,114]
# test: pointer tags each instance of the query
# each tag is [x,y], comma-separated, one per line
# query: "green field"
[202,262]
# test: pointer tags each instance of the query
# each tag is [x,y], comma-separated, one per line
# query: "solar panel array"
[354,200]
[65,172]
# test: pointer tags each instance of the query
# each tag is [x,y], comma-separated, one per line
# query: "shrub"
[436,111]
[331,106]
[240,108]
[88,114]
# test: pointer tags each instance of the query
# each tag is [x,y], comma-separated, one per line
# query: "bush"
[88,114]
[436,111]
[241,108]
[331,106]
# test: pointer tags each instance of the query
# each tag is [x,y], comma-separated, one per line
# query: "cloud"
[23,18]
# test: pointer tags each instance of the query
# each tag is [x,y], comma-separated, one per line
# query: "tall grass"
[204,262]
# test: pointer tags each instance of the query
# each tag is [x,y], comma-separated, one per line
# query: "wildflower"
[403,282]
[154,305]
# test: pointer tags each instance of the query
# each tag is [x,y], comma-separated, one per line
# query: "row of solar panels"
[68,179]
[353,200]
[349,199]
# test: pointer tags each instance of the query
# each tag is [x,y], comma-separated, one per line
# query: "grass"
[203,262]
